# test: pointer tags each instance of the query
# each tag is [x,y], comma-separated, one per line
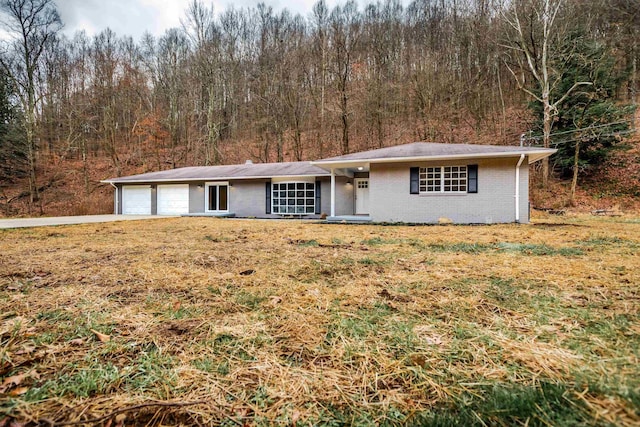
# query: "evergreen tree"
[589,124]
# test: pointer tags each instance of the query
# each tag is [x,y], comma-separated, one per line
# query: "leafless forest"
[267,85]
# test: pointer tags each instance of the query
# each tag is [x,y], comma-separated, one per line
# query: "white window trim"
[206,195]
[273,205]
[442,179]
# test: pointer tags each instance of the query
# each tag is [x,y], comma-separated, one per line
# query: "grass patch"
[522,248]
[339,325]
[500,404]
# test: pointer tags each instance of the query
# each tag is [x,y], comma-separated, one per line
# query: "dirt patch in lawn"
[201,320]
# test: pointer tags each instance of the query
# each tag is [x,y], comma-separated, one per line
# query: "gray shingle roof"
[245,171]
[425,150]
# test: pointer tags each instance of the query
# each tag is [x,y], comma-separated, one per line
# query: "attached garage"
[136,200]
[173,199]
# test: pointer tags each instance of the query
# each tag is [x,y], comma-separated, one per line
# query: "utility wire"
[579,130]
[625,132]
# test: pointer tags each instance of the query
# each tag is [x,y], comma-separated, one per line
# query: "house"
[418,183]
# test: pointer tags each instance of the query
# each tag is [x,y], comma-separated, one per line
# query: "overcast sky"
[134,17]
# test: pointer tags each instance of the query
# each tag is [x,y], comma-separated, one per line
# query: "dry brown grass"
[265,322]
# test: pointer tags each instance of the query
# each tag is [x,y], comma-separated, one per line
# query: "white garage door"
[173,199]
[136,200]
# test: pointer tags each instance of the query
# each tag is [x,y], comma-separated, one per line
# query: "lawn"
[241,322]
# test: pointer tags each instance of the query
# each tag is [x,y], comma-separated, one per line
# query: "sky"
[134,17]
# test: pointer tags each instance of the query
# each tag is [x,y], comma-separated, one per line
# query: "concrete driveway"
[67,220]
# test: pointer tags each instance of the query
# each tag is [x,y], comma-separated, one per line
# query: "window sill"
[444,194]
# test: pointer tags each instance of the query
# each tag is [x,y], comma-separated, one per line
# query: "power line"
[579,130]
[625,132]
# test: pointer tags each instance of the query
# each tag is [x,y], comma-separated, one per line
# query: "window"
[443,179]
[217,197]
[293,198]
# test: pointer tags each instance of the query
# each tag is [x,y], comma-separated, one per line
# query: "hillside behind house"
[264,84]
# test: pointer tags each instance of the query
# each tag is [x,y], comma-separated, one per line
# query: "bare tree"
[346,29]
[31,24]
[317,76]
[532,46]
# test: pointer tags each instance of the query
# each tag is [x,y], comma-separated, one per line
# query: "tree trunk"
[546,139]
[574,180]
[212,131]
[345,122]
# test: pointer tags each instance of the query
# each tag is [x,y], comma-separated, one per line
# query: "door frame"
[356,181]
[218,184]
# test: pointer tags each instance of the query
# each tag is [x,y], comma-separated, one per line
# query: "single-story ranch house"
[416,183]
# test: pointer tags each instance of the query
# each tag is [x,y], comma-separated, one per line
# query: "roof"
[433,151]
[244,171]
[417,151]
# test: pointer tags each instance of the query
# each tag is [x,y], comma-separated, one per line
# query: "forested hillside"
[266,85]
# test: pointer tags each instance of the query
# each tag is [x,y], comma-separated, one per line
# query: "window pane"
[223,191]
[213,197]
[296,198]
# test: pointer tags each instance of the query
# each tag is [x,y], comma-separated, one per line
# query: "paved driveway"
[66,220]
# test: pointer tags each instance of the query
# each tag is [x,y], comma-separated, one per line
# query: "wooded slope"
[266,85]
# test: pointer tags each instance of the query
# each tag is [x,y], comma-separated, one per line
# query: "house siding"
[247,197]
[154,199]
[196,198]
[344,196]
[493,203]
[118,201]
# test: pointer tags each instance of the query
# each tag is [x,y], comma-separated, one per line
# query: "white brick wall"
[494,202]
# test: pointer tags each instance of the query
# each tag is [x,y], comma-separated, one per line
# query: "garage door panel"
[136,200]
[173,199]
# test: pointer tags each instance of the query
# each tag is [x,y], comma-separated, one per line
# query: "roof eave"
[222,178]
[534,156]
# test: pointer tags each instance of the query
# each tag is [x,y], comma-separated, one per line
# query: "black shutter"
[268,194]
[318,208]
[414,187]
[472,177]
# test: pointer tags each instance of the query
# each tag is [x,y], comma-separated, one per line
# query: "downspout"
[116,195]
[517,196]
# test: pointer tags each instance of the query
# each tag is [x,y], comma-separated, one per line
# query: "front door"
[362,196]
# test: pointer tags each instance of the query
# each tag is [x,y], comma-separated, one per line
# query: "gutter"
[534,155]
[517,195]
[116,194]
[207,179]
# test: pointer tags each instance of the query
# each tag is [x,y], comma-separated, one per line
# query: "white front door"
[362,195]
[136,200]
[173,199]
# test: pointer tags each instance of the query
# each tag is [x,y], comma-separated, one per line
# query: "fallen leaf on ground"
[18,391]
[12,381]
[101,337]
[25,350]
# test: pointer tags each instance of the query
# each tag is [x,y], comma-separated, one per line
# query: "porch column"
[333,193]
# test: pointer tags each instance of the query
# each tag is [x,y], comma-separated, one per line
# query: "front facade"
[413,183]
[296,189]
